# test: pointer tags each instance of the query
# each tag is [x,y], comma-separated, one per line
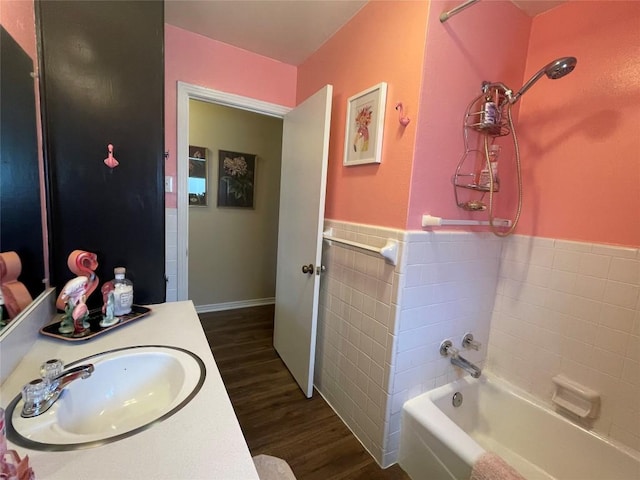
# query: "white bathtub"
[440,441]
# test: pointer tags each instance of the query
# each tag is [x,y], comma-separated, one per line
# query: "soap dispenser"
[122,292]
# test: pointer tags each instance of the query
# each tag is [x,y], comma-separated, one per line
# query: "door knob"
[308,269]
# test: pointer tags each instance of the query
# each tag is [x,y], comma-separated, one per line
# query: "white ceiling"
[285,30]
[289,31]
[535,7]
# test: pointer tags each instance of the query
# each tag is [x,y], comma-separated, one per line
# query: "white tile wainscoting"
[171,253]
[539,307]
[571,308]
[380,326]
[552,306]
[356,321]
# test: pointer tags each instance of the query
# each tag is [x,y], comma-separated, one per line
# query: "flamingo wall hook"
[110,161]
[404,121]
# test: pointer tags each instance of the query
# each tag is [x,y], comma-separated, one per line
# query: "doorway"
[186,93]
[305,151]
[234,194]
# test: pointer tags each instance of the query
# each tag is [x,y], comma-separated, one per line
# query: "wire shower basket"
[485,115]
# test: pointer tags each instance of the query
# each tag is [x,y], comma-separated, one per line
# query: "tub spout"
[466,365]
[447,350]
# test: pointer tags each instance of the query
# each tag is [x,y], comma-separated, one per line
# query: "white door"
[305,149]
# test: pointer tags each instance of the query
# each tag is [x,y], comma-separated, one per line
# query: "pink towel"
[491,467]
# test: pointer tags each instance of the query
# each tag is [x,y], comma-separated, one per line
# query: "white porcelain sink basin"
[130,390]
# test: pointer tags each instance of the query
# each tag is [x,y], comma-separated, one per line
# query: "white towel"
[492,467]
[272,468]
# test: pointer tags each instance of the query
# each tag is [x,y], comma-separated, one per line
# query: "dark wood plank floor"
[274,414]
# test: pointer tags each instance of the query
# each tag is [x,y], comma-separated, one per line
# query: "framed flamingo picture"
[365,125]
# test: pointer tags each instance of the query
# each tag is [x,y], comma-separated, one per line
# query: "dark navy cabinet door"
[102,72]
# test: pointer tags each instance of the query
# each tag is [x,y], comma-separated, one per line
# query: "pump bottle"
[122,293]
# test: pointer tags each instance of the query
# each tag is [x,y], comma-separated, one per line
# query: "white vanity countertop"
[201,441]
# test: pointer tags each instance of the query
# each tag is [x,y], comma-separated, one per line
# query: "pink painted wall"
[581,134]
[198,60]
[383,42]
[486,42]
[17,17]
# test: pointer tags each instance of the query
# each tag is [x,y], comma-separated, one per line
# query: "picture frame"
[236,179]
[364,127]
[198,176]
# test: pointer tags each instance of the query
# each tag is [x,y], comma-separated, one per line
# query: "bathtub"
[440,441]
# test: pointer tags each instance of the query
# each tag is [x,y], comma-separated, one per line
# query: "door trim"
[186,92]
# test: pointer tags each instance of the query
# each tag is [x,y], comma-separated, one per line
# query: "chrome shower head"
[554,70]
[561,67]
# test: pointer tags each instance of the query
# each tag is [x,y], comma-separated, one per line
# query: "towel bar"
[389,252]
[431,221]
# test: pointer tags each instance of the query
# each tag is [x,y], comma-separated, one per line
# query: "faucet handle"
[447,349]
[469,342]
[51,369]
[34,394]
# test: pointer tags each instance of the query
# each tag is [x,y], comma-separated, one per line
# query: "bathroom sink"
[130,390]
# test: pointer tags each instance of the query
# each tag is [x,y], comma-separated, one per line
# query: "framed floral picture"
[365,124]
[236,179]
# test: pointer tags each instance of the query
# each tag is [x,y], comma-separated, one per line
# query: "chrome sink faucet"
[40,394]
[447,350]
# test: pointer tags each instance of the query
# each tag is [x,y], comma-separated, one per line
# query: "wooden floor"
[274,414]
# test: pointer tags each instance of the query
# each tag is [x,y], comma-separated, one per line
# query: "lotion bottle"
[122,293]
[485,176]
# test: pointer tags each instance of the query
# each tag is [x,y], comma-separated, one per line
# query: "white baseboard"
[217,307]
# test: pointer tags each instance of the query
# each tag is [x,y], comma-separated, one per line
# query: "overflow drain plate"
[457,399]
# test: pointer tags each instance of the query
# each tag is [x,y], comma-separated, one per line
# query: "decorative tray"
[94,329]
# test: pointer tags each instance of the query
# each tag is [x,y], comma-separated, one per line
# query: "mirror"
[22,224]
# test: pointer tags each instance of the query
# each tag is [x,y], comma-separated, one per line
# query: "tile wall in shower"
[572,308]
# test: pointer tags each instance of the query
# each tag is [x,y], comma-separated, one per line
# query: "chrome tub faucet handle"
[447,350]
[469,342]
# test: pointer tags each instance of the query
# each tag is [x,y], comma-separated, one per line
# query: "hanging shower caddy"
[484,121]
[489,116]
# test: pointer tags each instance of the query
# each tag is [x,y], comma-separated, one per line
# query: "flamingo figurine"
[73,297]
[108,299]
[75,318]
[81,263]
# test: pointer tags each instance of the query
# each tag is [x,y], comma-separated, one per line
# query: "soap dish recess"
[576,398]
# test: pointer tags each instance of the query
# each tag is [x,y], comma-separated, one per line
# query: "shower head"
[561,67]
[554,70]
